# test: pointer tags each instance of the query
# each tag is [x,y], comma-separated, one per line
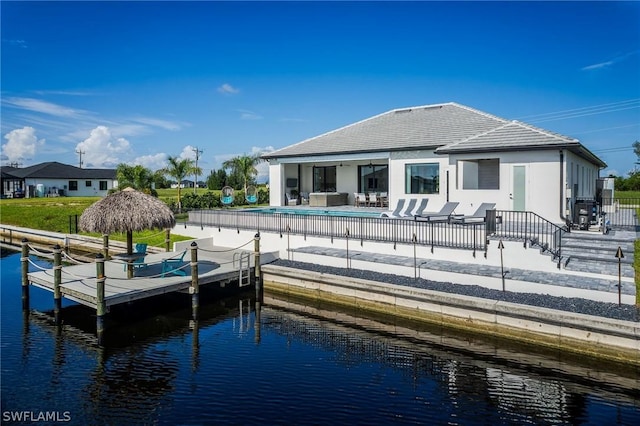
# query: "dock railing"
[468,236]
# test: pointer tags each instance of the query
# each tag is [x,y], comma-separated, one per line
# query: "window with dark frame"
[423,178]
[103,185]
[87,184]
[73,185]
[324,179]
[373,178]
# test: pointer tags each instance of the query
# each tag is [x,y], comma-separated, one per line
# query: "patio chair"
[304,197]
[141,248]
[172,265]
[373,199]
[478,216]
[292,199]
[384,199]
[360,199]
[226,196]
[396,212]
[444,215]
[252,195]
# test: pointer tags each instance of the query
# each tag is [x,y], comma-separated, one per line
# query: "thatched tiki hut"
[127,211]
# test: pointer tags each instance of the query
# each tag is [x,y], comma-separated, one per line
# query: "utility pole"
[195,184]
[80,152]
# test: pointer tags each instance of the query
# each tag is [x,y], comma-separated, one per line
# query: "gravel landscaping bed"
[568,304]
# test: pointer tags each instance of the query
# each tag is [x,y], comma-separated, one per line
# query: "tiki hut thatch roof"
[127,211]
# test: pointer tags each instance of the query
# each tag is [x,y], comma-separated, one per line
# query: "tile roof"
[514,136]
[450,128]
[398,130]
[55,170]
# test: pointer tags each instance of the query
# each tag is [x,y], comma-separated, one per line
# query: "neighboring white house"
[57,179]
[444,152]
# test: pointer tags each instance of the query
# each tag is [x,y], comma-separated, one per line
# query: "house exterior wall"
[543,189]
[397,165]
[51,186]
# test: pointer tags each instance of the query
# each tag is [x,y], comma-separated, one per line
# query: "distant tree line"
[238,172]
[632,181]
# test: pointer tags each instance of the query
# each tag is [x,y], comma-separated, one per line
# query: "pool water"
[315,212]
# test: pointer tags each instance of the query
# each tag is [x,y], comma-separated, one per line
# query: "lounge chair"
[478,216]
[172,265]
[396,212]
[360,199]
[404,213]
[444,215]
[407,212]
[419,209]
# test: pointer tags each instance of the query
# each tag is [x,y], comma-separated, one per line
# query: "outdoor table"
[129,258]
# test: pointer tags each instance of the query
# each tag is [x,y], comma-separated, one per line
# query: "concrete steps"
[596,253]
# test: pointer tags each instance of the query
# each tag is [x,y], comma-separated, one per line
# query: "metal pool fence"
[499,224]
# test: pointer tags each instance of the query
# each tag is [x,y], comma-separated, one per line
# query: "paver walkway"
[559,279]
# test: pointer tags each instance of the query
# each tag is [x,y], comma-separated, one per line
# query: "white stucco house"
[57,179]
[444,152]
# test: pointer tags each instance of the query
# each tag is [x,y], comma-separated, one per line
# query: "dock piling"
[195,287]
[57,280]
[105,246]
[101,308]
[258,272]
[24,260]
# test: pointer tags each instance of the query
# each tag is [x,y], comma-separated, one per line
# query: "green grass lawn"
[58,215]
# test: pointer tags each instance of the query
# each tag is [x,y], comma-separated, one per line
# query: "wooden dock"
[216,266]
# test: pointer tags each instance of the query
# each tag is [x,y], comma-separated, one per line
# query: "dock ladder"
[241,260]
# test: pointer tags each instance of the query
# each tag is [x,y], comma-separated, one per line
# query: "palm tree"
[179,168]
[245,166]
[138,177]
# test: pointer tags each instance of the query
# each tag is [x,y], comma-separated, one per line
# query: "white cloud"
[188,153]
[597,66]
[102,148]
[609,63]
[43,107]
[245,114]
[21,144]
[16,42]
[228,89]
[153,162]
[163,124]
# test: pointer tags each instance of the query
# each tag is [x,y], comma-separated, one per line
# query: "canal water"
[282,362]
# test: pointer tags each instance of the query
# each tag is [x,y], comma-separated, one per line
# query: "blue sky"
[135,82]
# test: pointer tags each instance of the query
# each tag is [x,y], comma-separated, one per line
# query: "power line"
[564,117]
[575,110]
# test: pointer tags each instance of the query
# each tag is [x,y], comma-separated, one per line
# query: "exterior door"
[519,188]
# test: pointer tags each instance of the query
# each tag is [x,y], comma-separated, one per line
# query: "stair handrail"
[531,228]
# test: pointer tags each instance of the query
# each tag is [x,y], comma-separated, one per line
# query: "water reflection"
[516,383]
[284,361]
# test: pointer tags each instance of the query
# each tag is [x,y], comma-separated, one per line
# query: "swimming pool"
[314,212]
